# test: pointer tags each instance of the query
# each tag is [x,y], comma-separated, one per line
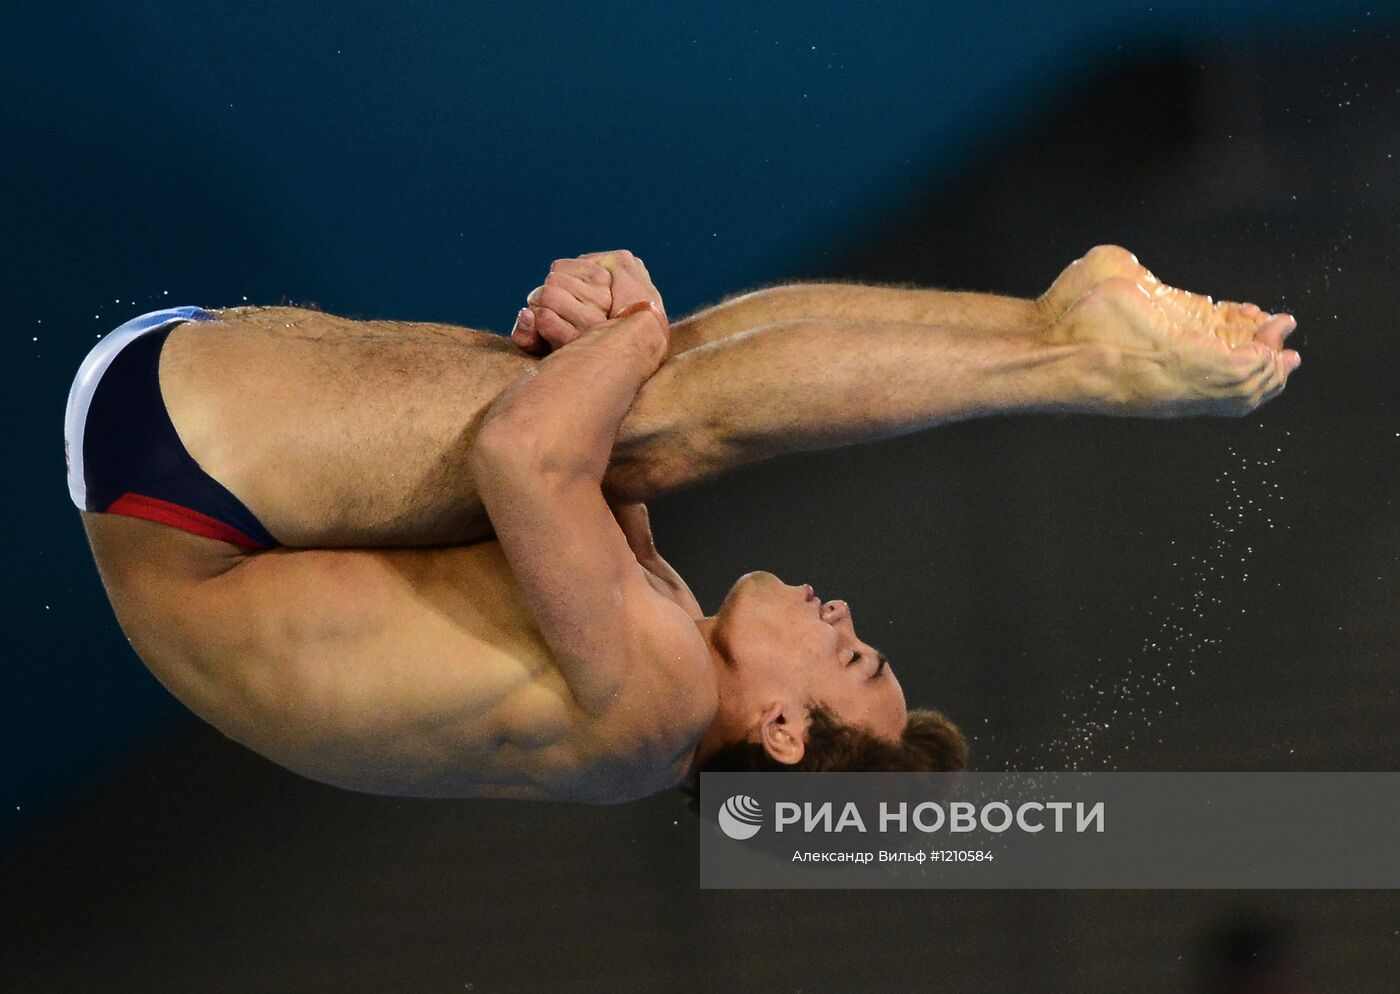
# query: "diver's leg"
[853,303]
[1119,349]
[336,432]
[861,304]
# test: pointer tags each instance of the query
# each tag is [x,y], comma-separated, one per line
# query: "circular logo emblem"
[741,817]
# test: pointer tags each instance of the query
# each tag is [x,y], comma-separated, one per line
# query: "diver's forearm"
[809,385]
[855,303]
[563,414]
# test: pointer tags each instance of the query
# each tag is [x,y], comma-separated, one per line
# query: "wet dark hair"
[930,743]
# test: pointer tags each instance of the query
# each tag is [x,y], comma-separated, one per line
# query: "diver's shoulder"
[646,741]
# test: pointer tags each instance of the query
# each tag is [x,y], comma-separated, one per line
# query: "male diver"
[412,558]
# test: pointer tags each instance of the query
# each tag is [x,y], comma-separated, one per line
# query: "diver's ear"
[782,734]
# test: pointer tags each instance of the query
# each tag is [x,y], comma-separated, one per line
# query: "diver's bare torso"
[296,653]
[479,707]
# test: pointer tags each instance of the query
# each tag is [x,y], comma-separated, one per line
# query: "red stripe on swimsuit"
[177,516]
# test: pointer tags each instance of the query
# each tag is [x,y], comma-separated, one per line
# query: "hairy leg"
[338,432]
[852,303]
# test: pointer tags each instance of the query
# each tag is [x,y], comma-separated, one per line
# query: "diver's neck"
[728,724]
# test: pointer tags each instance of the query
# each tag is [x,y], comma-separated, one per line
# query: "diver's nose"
[834,612]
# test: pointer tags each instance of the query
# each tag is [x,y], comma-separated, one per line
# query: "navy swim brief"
[124,455]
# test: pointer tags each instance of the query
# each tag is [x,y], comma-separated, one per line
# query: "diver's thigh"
[336,432]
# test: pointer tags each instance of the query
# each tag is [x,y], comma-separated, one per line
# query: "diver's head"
[799,690]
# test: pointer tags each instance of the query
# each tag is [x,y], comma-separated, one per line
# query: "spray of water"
[1185,633]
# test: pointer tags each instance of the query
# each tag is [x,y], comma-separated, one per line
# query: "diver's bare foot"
[1168,353]
[1100,263]
[1236,323]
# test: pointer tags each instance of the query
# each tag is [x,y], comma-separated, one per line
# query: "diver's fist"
[631,283]
[575,296]
[579,294]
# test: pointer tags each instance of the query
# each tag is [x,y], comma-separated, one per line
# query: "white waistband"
[90,374]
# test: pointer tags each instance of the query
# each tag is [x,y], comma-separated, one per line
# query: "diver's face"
[784,636]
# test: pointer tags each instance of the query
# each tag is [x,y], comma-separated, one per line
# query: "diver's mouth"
[808,593]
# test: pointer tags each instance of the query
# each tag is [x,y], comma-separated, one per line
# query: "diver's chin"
[759,576]
[750,585]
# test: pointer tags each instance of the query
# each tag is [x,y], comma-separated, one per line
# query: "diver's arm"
[539,460]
